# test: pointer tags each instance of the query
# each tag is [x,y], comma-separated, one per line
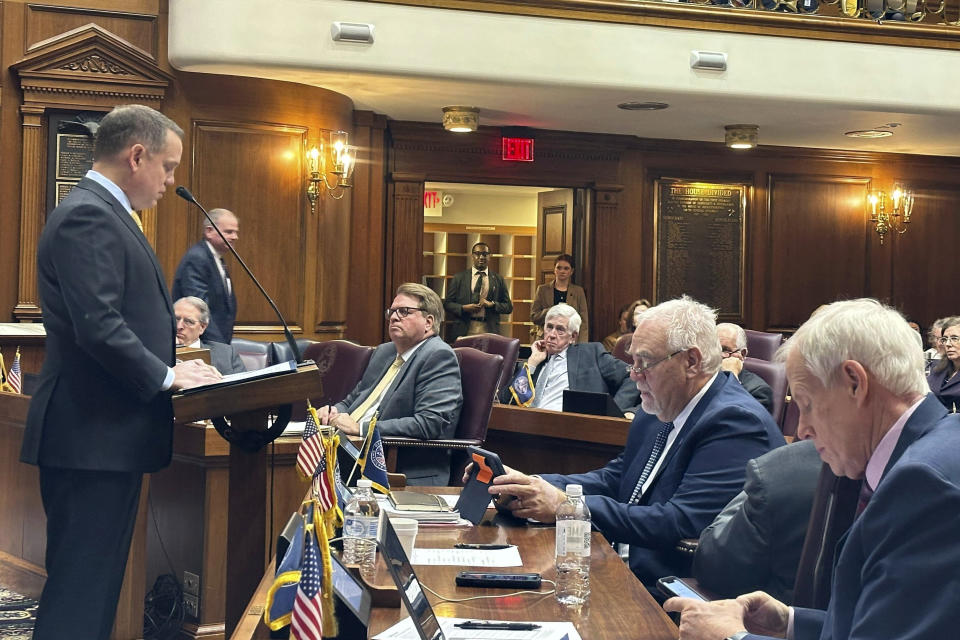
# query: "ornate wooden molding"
[84,69]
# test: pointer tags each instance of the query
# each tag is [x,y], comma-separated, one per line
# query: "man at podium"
[102,416]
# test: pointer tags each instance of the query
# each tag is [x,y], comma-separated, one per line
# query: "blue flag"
[522,387]
[283,593]
[373,464]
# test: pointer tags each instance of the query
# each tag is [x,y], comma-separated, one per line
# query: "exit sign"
[518,149]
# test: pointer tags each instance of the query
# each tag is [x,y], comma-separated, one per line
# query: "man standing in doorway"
[476,298]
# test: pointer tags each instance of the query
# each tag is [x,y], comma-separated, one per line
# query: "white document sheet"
[404,630]
[509,557]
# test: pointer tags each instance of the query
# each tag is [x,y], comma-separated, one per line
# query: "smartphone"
[674,586]
[498,580]
[474,497]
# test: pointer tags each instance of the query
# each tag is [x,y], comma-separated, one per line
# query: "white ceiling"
[570,75]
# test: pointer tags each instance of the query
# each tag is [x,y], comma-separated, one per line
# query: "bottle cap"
[364,483]
[574,490]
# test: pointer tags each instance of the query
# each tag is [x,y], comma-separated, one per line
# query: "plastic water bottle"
[360,520]
[573,548]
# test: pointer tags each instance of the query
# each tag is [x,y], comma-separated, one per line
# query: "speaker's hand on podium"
[193,373]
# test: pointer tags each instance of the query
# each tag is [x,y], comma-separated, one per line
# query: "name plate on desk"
[193,353]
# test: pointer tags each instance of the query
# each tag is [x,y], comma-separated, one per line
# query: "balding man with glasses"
[686,451]
[412,382]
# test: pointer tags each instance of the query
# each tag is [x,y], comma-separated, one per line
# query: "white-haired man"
[857,378]
[685,453]
[733,347]
[558,362]
[193,317]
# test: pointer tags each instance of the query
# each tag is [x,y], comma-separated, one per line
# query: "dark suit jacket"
[198,275]
[110,339]
[590,367]
[755,542]
[896,573]
[423,401]
[459,293]
[947,391]
[758,388]
[702,471]
[224,357]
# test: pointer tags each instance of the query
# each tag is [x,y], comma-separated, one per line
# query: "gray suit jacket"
[758,388]
[590,367]
[224,357]
[423,401]
[755,542]
[459,293]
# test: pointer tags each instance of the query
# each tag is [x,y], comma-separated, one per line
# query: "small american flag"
[321,486]
[15,377]
[311,448]
[306,623]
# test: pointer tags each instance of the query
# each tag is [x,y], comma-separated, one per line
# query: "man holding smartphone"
[857,377]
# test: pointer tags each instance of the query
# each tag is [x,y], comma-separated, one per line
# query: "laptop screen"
[407,583]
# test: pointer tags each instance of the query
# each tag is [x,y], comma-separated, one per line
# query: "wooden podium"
[247,406]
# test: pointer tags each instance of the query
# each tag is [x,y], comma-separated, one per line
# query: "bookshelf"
[446,251]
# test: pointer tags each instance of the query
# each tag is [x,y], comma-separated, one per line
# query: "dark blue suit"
[702,471]
[896,575]
[198,275]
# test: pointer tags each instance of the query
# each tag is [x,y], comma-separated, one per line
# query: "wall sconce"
[890,213]
[461,119]
[741,136]
[342,158]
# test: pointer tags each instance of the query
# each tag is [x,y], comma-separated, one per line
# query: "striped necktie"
[658,445]
[136,218]
[378,390]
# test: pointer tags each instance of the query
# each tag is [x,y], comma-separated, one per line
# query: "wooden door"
[554,230]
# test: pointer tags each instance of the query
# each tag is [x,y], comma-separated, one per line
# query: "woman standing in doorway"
[560,290]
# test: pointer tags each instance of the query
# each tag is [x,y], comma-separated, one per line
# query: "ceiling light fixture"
[741,136]
[642,106]
[461,119]
[869,133]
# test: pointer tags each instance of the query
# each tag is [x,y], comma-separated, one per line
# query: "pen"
[465,545]
[505,626]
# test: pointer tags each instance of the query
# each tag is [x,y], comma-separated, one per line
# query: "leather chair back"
[255,355]
[280,351]
[762,345]
[834,508]
[341,364]
[775,375]
[623,345]
[791,420]
[479,375]
[508,348]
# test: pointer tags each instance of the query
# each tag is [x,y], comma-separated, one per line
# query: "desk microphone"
[186,195]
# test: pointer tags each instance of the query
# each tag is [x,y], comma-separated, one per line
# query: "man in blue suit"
[686,450]
[857,377]
[203,273]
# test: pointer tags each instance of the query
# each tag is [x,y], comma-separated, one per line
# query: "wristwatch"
[737,636]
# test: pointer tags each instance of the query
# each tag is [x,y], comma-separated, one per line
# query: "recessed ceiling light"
[642,106]
[869,133]
[741,136]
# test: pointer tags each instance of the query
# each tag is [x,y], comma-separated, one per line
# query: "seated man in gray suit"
[193,317]
[412,383]
[559,362]
[733,344]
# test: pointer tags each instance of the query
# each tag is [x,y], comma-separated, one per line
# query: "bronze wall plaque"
[74,156]
[699,228]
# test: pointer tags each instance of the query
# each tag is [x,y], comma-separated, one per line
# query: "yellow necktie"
[378,390]
[136,218]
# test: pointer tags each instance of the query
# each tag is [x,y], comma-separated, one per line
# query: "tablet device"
[590,402]
[412,594]
[474,497]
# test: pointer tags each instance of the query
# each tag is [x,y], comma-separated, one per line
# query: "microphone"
[186,195]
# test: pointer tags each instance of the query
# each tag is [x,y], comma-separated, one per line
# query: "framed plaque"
[700,236]
[69,151]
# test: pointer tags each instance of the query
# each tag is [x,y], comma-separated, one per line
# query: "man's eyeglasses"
[727,353]
[559,329]
[954,340]
[190,322]
[645,366]
[481,253]
[403,312]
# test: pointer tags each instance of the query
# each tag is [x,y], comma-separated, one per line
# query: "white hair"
[689,324]
[865,331]
[563,310]
[738,332]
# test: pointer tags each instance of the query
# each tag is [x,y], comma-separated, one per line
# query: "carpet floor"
[17,614]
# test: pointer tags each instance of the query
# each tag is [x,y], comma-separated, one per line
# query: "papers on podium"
[245,376]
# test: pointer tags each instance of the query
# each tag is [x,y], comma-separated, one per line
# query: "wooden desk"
[536,440]
[619,606]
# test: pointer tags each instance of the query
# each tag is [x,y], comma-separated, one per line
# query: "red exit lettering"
[431,199]
[518,149]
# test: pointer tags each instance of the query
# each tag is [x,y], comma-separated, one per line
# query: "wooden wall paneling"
[272,219]
[818,251]
[404,230]
[604,259]
[133,20]
[366,280]
[924,286]
[757,258]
